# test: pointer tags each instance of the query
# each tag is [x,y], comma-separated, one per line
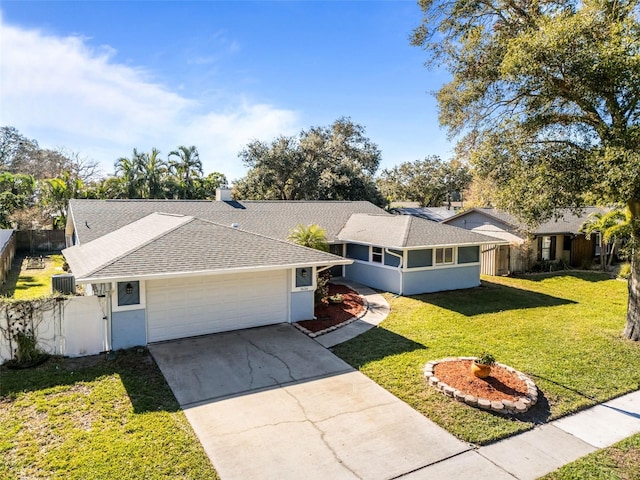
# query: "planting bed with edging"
[505,400]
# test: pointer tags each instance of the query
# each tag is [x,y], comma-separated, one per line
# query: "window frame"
[376,255]
[444,256]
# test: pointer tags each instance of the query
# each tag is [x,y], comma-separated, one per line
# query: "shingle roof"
[435,214]
[95,218]
[173,245]
[567,222]
[5,236]
[402,231]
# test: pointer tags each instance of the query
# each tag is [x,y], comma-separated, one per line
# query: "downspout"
[386,250]
[109,333]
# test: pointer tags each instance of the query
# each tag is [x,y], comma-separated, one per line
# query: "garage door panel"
[200,305]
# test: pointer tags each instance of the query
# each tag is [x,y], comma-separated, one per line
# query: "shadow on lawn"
[490,298]
[587,276]
[376,344]
[146,387]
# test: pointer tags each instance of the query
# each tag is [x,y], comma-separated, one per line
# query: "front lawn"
[94,418]
[563,330]
[618,462]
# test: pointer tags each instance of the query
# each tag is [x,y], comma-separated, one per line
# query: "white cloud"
[63,92]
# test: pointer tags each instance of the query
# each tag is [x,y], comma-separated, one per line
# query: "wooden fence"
[7,252]
[40,240]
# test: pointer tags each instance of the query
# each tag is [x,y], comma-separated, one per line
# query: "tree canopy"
[37,184]
[545,99]
[337,162]
[148,175]
[431,181]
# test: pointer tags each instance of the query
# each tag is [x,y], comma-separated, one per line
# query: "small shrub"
[322,290]
[485,358]
[625,271]
[337,298]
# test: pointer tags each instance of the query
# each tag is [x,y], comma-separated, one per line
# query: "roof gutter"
[224,271]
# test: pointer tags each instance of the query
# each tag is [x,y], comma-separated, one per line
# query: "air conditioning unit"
[63,283]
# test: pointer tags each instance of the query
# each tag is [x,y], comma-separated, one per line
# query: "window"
[547,246]
[444,255]
[304,277]
[128,293]
[468,254]
[376,254]
[358,252]
[419,258]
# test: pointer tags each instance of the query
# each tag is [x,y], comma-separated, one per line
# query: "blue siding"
[427,281]
[392,260]
[128,329]
[301,305]
[374,276]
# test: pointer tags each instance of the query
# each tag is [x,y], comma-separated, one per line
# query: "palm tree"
[56,195]
[611,226]
[312,236]
[154,171]
[129,174]
[186,165]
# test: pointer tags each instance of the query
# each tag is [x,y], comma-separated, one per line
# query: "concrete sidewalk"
[544,449]
[377,310]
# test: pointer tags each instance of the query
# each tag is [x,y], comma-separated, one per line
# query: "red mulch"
[329,314]
[500,385]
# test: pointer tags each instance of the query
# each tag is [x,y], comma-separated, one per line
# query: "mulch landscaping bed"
[500,385]
[331,315]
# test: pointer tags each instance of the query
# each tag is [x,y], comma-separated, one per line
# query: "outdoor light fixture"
[304,273]
[129,289]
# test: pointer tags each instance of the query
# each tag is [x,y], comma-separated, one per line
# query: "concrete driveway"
[271,403]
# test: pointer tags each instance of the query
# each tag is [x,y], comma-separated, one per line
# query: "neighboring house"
[7,252]
[180,268]
[557,239]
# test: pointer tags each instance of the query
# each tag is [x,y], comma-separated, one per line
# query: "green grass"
[563,330]
[618,462]
[27,284]
[98,419]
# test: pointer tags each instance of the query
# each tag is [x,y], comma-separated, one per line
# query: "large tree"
[17,192]
[545,98]
[337,162]
[431,182]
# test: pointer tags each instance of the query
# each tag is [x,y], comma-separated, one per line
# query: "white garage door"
[191,306]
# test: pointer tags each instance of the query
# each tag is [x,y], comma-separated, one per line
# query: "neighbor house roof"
[565,223]
[5,236]
[405,231]
[161,245]
[95,218]
[435,214]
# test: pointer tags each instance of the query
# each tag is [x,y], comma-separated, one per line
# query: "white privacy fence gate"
[71,327]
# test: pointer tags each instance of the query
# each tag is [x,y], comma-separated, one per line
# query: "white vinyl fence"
[71,327]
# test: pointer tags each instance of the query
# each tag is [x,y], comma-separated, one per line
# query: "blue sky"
[100,78]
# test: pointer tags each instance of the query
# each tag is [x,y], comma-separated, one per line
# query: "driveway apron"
[271,403]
